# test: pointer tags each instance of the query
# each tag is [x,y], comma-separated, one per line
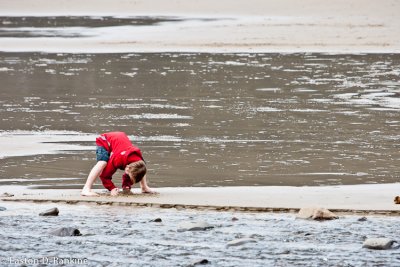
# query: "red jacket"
[122,153]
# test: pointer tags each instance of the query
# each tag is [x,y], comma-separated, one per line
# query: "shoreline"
[374,199]
[205,51]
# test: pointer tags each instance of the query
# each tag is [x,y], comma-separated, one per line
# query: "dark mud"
[80,21]
[207,119]
[74,26]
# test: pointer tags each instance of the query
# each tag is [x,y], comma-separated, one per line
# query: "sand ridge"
[369,199]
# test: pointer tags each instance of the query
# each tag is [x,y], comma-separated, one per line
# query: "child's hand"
[115,192]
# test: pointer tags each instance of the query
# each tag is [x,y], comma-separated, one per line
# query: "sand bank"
[25,143]
[377,198]
[223,26]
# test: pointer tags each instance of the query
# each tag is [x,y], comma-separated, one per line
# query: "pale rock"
[50,212]
[240,241]
[316,213]
[378,243]
[66,231]
[194,226]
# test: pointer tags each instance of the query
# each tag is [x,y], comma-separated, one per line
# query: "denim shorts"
[102,154]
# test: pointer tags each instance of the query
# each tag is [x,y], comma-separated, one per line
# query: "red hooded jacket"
[122,153]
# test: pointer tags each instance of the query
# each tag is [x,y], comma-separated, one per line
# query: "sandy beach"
[361,199]
[219,27]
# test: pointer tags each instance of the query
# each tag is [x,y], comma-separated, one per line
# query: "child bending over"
[115,151]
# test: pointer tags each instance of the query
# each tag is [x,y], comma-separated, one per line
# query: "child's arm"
[94,173]
[106,177]
[126,182]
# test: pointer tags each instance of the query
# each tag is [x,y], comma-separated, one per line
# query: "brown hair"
[137,170]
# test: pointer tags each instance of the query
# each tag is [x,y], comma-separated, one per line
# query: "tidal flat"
[203,119]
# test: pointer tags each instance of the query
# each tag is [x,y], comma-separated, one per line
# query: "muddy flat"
[203,119]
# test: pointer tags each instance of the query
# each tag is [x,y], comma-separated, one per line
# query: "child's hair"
[137,170]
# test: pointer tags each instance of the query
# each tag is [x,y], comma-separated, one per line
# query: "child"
[115,151]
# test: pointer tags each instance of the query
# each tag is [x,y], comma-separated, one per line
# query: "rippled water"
[122,236]
[203,119]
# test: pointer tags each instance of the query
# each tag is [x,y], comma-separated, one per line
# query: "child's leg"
[94,173]
[145,187]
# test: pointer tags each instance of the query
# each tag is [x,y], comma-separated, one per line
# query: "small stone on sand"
[66,231]
[199,262]
[194,226]
[378,243]
[316,214]
[50,212]
[240,241]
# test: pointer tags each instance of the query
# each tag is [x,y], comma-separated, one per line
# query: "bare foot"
[148,191]
[89,193]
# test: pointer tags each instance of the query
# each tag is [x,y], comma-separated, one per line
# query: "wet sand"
[206,26]
[203,119]
[364,199]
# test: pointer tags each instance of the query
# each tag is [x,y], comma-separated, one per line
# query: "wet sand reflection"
[207,119]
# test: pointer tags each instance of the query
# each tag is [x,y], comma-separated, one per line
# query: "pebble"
[50,212]
[316,214]
[199,262]
[240,241]
[362,219]
[234,219]
[156,220]
[66,231]
[2,208]
[194,226]
[378,243]
[5,194]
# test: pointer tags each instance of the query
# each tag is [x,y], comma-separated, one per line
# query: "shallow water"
[203,119]
[122,236]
